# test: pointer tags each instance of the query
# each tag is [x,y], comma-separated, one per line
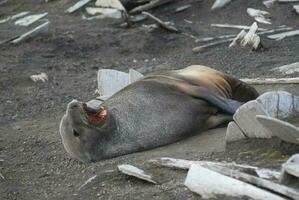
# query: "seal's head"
[83,129]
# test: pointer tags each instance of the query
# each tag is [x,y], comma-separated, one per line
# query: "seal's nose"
[73,104]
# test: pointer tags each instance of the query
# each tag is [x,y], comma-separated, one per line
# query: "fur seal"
[156,110]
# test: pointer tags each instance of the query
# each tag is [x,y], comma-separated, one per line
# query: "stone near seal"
[156,110]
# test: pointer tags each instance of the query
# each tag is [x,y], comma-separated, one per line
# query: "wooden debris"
[269,3]
[288,1]
[262,81]
[250,39]
[233,133]
[290,170]
[207,39]
[166,25]
[1,176]
[265,184]
[280,36]
[259,15]
[116,4]
[182,8]
[281,129]
[31,33]
[236,26]
[230,39]
[288,69]
[204,47]
[150,5]
[134,75]
[104,12]
[203,182]
[296,8]
[280,104]
[28,20]
[16,16]
[77,6]
[88,181]
[111,81]
[136,172]
[245,118]
[185,164]
[39,77]
[219,4]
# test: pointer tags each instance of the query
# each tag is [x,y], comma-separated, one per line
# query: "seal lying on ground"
[156,110]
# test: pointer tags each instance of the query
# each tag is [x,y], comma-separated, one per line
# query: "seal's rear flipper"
[227,105]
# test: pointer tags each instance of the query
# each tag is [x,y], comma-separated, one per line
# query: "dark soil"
[33,161]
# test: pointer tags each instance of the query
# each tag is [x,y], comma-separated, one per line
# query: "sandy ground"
[35,164]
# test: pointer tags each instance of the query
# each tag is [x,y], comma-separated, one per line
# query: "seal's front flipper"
[216,120]
[227,105]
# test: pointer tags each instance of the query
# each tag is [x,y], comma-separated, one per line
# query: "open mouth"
[95,116]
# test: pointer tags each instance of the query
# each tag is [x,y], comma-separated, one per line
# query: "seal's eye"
[76,134]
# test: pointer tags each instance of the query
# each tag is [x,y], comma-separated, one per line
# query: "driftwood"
[203,47]
[283,35]
[165,25]
[250,39]
[150,5]
[277,188]
[288,1]
[77,6]
[88,181]
[210,184]
[262,81]
[16,16]
[28,20]
[269,3]
[32,32]
[288,69]
[185,164]
[235,26]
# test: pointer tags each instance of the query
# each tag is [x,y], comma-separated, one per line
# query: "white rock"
[209,184]
[28,20]
[39,77]
[111,81]
[279,104]
[281,129]
[136,172]
[104,12]
[110,4]
[245,118]
[233,133]
[296,8]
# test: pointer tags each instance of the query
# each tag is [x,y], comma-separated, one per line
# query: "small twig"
[150,5]
[1,175]
[164,25]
